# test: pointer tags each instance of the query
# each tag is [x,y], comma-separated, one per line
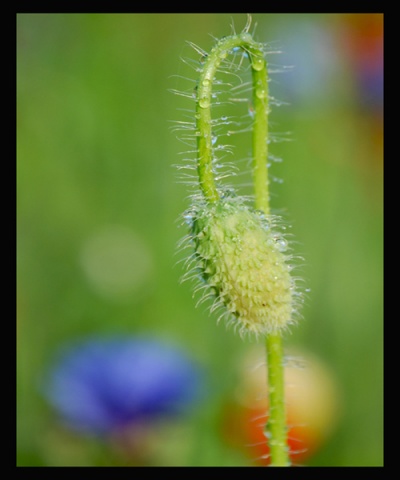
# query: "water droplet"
[282,244]
[308,290]
[204,102]
[261,93]
[188,219]
[257,63]
[213,139]
[246,37]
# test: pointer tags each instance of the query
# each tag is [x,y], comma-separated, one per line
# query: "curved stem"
[277,420]
[260,130]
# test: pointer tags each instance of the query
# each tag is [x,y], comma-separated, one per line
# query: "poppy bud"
[242,258]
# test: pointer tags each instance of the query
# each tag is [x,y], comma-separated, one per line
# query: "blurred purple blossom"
[105,384]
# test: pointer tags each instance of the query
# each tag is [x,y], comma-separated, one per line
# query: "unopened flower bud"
[242,258]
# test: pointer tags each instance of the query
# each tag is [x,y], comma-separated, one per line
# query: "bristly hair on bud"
[243,259]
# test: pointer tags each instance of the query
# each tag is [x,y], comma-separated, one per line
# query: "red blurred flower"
[312,407]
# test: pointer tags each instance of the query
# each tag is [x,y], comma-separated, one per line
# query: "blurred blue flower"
[312,62]
[105,384]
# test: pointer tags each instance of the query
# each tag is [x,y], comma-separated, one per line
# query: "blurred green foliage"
[94,150]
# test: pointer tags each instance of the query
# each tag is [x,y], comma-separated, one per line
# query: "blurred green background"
[96,183]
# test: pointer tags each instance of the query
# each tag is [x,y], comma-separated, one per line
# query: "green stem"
[203,116]
[260,134]
[277,420]
[276,426]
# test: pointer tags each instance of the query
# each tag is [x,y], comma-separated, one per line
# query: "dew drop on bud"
[282,244]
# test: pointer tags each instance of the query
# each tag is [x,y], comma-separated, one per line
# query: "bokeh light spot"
[117,262]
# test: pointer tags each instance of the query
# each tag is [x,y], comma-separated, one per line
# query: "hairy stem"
[277,420]
[276,426]
[260,133]
[203,116]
